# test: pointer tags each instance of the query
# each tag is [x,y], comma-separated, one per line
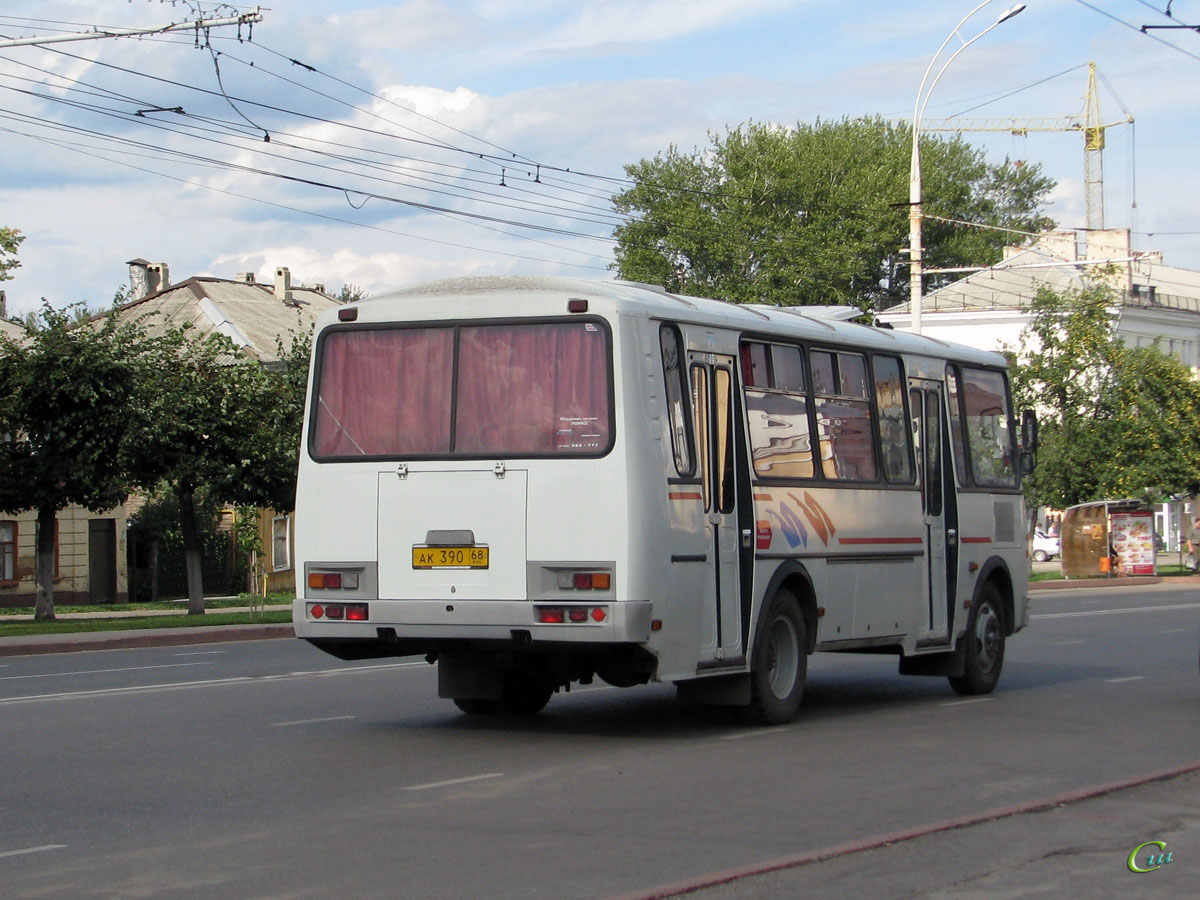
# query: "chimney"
[245,278]
[138,278]
[159,277]
[283,284]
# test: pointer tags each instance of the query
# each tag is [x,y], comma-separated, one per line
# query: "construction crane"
[1088,123]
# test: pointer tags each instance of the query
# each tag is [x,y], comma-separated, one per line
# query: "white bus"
[536,481]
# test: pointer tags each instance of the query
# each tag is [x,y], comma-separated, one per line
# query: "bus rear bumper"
[595,622]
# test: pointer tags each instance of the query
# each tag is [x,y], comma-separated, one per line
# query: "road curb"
[1122,582]
[150,637]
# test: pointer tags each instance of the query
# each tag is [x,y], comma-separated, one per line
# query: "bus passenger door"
[714,405]
[935,474]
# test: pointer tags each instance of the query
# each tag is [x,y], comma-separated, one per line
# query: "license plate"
[450,557]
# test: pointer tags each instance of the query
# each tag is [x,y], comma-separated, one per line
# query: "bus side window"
[893,432]
[677,415]
[777,410]
[843,416]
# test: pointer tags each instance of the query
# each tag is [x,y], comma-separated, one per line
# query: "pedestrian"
[1193,542]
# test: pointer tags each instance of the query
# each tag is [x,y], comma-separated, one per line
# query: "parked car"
[1045,546]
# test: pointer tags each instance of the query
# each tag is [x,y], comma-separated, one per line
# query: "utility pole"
[243,19]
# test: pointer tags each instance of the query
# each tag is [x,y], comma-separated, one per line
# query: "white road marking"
[312,721]
[453,781]
[41,849]
[102,671]
[201,653]
[965,702]
[1068,643]
[761,732]
[1126,678]
[1113,612]
[187,685]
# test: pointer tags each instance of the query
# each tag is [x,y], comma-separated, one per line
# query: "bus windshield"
[528,389]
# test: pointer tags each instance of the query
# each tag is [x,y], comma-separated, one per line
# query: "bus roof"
[631,298]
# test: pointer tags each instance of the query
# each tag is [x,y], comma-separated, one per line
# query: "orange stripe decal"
[685,495]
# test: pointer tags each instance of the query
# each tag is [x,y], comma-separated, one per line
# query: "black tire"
[779,664]
[984,652]
[524,693]
[476,707]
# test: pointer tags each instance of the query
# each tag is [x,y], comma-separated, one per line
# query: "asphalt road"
[265,769]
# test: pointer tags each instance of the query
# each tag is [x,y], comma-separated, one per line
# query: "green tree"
[66,423]
[1116,421]
[10,240]
[220,425]
[815,214]
[352,293]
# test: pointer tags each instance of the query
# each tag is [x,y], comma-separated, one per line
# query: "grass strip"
[136,623]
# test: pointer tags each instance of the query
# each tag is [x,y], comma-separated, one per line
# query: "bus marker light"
[550,615]
[582,581]
[334,611]
[577,306]
[348,314]
[577,614]
[356,612]
[316,610]
[601,581]
[598,614]
[656,625]
[333,580]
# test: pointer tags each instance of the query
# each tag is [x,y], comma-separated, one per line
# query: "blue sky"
[444,92]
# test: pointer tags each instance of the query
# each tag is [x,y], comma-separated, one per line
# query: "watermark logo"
[1145,853]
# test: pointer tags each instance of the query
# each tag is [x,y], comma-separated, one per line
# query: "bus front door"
[939,505]
[723,471]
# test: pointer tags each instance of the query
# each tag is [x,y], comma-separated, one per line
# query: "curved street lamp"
[915,249]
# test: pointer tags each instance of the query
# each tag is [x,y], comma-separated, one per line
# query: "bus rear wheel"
[779,664]
[984,652]
[524,693]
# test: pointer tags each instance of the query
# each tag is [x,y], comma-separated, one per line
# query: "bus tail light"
[576,580]
[333,581]
[569,615]
[351,612]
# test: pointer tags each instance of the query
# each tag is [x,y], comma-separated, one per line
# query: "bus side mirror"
[1029,431]
[1029,441]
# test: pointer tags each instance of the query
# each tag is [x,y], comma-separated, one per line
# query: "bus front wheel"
[779,663]
[984,652]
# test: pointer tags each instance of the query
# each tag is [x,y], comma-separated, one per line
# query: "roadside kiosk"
[1106,538]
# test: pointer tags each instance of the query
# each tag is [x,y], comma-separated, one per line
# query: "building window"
[8,551]
[281,548]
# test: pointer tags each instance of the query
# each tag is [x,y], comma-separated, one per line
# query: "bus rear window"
[538,389]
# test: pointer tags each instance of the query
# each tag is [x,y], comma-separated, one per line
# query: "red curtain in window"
[384,393]
[532,389]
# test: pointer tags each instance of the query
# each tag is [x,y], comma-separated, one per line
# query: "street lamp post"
[915,249]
